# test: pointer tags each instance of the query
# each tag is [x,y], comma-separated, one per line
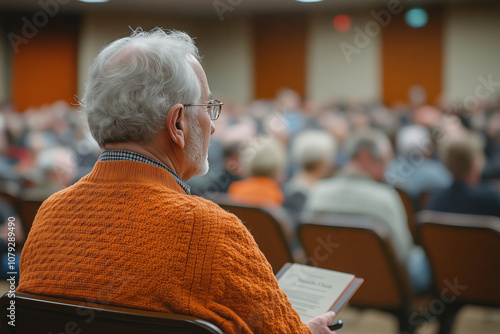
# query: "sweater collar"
[122,155]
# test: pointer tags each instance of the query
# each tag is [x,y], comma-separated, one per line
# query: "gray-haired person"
[129,233]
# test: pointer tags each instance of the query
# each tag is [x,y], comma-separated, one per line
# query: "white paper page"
[312,291]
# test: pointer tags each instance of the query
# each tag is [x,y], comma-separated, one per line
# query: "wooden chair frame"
[378,231]
[453,222]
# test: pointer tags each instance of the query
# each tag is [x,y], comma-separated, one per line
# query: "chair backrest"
[41,314]
[28,210]
[464,253]
[361,246]
[409,209]
[267,226]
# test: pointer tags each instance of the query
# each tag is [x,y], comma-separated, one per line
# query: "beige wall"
[227,53]
[471,50]
[225,47]
[329,72]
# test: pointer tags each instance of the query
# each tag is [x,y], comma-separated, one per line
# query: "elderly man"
[129,233]
[359,190]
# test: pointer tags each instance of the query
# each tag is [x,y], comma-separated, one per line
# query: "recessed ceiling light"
[93,1]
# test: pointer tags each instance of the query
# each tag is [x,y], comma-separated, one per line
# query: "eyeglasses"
[214,108]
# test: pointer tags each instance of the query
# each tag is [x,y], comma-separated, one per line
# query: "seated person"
[266,168]
[129,234]
[230,172]
[358,190]
[413,170]
[313,151]
[464,158]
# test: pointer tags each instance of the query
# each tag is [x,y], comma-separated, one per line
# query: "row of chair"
[464,252]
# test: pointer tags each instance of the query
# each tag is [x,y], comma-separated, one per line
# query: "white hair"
[312,147]
[412,138]
[135,81]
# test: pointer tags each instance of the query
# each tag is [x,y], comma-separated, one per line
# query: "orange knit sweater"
[127,235]
[257,190]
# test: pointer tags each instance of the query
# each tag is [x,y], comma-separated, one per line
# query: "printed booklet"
[314,291]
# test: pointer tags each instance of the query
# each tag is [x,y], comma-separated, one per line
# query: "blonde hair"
[312,147]
[268,161]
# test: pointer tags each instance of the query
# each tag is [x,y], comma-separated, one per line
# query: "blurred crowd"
[279,153]
[296,143]
[43,150]
[292,142]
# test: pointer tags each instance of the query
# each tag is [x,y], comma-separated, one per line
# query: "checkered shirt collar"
[120,155]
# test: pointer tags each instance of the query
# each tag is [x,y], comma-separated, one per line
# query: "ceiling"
[208,7]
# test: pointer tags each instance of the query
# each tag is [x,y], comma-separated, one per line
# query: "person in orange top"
[265,168]
[129,233]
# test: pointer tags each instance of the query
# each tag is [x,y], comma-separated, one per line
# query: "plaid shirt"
[119,155]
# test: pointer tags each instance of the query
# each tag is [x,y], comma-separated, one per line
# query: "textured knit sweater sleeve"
[250,296]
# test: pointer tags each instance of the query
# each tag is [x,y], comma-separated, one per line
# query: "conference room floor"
[471,319]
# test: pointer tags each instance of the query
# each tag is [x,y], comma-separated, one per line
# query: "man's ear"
[176,122]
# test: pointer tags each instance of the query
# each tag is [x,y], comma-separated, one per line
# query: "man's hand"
[319,325]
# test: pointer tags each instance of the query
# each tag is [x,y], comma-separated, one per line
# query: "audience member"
[413,170]
[149,107]
[464,158]
[314,152]
[358,190]
[427,116]
[492,147]
[265,167]
[232,170]
[218,180]
[338,126]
